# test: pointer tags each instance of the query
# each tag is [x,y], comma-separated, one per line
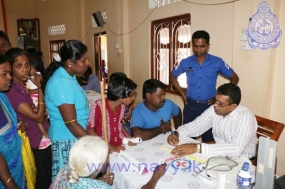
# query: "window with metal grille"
[170,43]
[56,30]
[55,47]
[160,3]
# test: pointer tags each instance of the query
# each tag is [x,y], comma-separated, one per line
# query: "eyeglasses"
[220,104]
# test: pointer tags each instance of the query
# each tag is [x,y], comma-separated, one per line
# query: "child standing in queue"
[120,94]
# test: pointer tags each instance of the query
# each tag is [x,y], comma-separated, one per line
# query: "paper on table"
[135,165]
[196,156]
[199,157]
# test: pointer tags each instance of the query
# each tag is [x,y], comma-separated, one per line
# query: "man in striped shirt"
[234,127]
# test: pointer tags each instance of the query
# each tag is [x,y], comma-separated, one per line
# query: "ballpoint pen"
[172,129]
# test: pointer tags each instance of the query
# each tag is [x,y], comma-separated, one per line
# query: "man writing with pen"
[234,127]
[152,116]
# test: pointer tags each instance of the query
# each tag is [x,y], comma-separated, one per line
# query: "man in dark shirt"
[104,69]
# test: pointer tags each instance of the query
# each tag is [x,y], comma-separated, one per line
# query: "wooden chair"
[267,128]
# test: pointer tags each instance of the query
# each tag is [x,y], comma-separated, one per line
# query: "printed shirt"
[113,122]
[202,79]
[64,89]
[147,119]
[88,183]
[61,181]
[235,133]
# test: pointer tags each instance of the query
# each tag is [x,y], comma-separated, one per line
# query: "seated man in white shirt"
[234,127]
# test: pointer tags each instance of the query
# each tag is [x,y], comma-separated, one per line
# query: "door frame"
[97,53]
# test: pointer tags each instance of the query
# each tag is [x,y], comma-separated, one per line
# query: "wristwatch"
[199,148]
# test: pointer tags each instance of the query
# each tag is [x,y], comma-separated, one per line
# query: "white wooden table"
[179,173]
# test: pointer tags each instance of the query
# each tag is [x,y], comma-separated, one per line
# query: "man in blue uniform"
[202,70]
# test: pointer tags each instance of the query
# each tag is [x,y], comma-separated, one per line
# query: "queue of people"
[62,116]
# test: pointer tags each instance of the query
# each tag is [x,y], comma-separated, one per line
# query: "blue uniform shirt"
[202,79]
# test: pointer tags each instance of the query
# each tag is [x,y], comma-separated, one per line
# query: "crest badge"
[264,28]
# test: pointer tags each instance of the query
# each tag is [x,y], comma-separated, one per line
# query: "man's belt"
[209,102]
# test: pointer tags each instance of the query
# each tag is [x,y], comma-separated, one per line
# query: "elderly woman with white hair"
[77,173]
[91,150]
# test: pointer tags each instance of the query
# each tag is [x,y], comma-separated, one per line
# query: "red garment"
[113,122]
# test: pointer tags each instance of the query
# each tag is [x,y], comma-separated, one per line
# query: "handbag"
[28,161]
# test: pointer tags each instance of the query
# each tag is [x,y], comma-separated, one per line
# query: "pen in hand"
[172,129]
[176,140]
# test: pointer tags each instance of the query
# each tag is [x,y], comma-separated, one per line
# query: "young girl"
[121,93]
[32,90]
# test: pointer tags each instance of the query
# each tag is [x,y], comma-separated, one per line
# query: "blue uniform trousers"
[194,109]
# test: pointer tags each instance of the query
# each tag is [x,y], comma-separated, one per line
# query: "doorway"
[101,55]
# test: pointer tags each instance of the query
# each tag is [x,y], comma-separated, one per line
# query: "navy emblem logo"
[264,29]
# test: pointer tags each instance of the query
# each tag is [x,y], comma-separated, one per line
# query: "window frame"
[59,43]
[173,43]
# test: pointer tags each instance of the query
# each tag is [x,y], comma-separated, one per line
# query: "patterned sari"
[11,143]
